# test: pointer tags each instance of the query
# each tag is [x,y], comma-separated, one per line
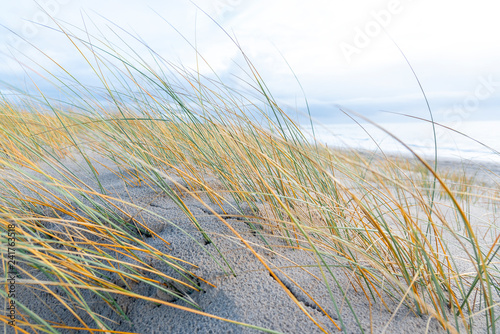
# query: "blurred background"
[344,54]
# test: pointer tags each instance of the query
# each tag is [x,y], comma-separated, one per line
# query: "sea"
[478,141]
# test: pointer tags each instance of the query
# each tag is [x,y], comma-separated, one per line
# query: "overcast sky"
[337,49]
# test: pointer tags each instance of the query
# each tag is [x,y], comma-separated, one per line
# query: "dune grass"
[374,216]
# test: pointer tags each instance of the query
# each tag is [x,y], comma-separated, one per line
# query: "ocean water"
[478,140]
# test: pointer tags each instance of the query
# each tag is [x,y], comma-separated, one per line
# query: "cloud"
[449,44]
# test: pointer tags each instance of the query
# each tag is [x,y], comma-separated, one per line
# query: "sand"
[252,297]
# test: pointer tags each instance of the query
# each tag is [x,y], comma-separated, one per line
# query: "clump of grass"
[373,217]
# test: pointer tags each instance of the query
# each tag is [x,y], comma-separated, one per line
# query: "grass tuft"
[404,234]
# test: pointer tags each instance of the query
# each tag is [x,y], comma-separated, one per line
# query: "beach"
[140,195]
[249,294]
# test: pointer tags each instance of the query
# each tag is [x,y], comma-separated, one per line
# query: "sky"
[343,53]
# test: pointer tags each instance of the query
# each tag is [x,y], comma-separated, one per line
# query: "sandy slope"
[253,296]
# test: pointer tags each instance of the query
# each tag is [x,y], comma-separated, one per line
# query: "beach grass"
[394,225]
